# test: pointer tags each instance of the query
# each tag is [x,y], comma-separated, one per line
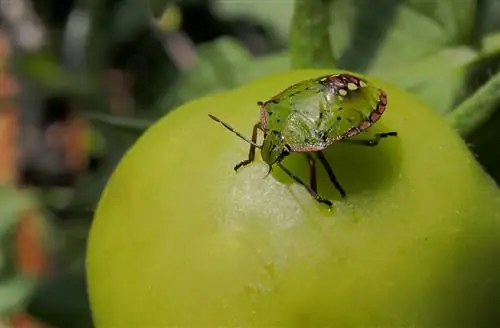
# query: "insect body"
[310,116]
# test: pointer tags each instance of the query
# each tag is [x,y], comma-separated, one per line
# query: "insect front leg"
[251,152]
[311,191]
[371,142]
[330,173]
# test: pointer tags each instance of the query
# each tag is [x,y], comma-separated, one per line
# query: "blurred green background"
[81,80]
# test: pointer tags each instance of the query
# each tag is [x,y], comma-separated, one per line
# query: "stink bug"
[312,115]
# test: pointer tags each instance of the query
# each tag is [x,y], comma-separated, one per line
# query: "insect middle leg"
[251,152]
[309,189]
[330,173]
[312,172]
[371,142]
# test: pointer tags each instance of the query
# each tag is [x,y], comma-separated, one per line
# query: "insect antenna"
[230,128]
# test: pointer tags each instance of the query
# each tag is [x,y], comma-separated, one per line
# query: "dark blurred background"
[81,80]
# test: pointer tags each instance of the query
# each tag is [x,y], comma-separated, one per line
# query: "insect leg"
[371,142]
[312,192]
[330,173]
[251,152]
[312,172]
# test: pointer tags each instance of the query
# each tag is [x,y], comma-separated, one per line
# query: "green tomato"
[180,239]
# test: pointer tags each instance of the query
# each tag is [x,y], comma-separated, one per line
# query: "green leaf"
[275,15]
[62,302]
[43,69]
[12,203]
[221,65]
[490,11]
[484,144]
[14,287]
[424,46]
[14,292]
[129,17]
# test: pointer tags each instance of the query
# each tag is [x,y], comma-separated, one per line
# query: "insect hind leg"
[331,175]
[371,142]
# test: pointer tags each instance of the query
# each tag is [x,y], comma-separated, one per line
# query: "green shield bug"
[312,115]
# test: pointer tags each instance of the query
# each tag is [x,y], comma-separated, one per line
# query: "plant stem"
[477,109]
[309,38]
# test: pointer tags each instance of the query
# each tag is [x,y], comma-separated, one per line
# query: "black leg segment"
[371,142]
[330,173]
[312,172]
[312,192]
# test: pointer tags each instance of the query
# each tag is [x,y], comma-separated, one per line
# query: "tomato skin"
[180,239]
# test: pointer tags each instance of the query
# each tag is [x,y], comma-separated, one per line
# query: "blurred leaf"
[485,145]
[12,205]
[14,292]
[43,70]
[221,65]
[72,255]
[427,47]
[130,16]
[170,19]
[490,11]
[58,197]
[62,302]
[14,287]
[276,15]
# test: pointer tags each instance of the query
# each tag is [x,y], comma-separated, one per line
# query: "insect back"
[299,115]
[276,111]
[356,103]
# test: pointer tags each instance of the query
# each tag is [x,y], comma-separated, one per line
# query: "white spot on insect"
[351,86]
[342,92]
[362,84]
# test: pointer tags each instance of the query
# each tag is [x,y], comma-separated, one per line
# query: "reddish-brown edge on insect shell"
[263,116]
[374,117]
